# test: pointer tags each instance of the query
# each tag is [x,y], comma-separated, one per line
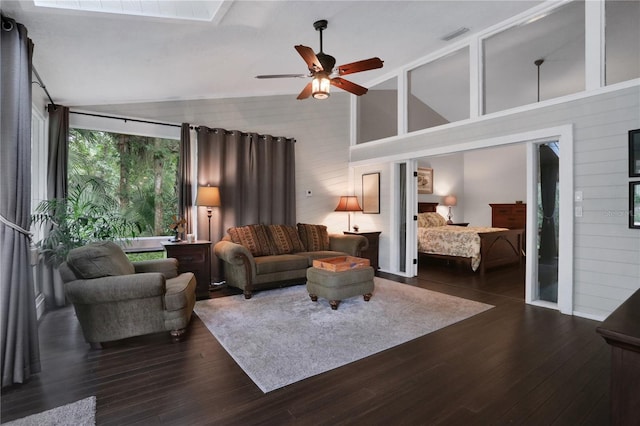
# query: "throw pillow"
[285,239]
[253,237]
[99,259]
[314,237]
[430,219]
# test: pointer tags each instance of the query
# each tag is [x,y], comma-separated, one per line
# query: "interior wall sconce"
[450,201]
[209,197]
[349,203]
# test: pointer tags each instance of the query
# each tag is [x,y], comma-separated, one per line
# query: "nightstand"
[459,224]
[370,253]
[193,257]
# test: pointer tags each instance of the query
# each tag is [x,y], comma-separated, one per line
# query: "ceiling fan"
[321,68]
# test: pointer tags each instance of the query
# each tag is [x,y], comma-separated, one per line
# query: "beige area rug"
[279,337]
[79,413]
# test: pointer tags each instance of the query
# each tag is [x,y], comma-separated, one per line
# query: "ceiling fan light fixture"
[320,86]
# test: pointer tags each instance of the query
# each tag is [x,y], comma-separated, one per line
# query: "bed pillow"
[430,220]
[254,237]
[314,237]
[285,239]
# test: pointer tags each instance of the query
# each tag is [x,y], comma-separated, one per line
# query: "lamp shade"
[348,203]
[208,196]
[450,200]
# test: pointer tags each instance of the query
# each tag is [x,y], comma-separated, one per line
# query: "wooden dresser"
[193,257]
[511,216]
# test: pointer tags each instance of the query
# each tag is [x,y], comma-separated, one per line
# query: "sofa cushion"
[280,263]
[285,239]
[99,259]
[322,254]
[313,237]
[254,237]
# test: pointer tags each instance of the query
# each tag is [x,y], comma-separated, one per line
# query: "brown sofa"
[257,257]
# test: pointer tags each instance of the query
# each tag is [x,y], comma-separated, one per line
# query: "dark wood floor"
[514,364]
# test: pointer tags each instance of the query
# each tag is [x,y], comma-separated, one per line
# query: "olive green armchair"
[114,298]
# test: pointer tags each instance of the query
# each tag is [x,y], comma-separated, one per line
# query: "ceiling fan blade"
[365,65]
[349,86]
[306,92]
[309,57]
[282,76]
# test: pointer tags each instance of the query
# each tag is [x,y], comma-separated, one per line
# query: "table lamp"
[450,201]
[349,203]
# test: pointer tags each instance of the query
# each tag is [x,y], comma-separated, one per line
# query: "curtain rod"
[125,119]
[41,84]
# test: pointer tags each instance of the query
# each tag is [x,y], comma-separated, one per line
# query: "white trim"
[499,114]
[475,79]
[594,44]
[589,316]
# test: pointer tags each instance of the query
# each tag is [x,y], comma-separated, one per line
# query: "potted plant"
[88,213]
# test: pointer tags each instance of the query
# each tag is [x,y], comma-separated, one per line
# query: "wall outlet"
[578,211]
[309,193]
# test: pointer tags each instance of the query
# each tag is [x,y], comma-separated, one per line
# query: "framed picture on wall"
[371,193]
[634,204]
[425,180]
[634,153]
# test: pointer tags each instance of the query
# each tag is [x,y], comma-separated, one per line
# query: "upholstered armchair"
[114,298]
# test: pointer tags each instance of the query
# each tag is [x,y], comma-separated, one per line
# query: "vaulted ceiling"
[87,57]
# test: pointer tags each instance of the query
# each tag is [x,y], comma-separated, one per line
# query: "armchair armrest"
[116,288]
[168,267]
[352,244]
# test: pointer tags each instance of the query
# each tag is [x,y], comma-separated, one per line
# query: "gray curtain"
[256,177]
[549,169]
[20,351]
[184,177]
[58,153]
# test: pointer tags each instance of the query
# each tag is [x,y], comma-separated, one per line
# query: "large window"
[510,70]
[622,40]
[439,91]
[378,112]
[140,172]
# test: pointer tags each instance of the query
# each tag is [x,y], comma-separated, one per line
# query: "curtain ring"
[7,25]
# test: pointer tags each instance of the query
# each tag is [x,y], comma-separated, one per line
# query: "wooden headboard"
[427,207]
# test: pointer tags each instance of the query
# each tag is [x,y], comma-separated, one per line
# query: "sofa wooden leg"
[367,297]
[96,345]
[177,334]
[247,294]
[334,304]
[313,297]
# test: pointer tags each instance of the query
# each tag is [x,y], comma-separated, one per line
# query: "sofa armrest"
[116,288]
[168,267]
[240,267]
[352,244]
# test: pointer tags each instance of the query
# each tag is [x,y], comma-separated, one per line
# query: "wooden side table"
[370,253]
[193,257]
[458,224]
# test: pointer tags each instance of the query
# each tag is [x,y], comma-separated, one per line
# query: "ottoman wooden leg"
[313,297]
[367,297]
[334,304]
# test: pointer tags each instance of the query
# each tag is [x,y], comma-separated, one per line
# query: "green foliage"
[141,170]
[88,213]
[150,255]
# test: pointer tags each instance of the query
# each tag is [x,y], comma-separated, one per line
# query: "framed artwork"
[371,193]
[425,180]
[634,204]
[634,153]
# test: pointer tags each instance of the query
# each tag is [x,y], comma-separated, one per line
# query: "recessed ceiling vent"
[456,33]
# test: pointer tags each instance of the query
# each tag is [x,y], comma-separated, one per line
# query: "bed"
[482,247]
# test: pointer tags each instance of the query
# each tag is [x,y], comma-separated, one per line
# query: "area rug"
[279,337]
[79,413]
